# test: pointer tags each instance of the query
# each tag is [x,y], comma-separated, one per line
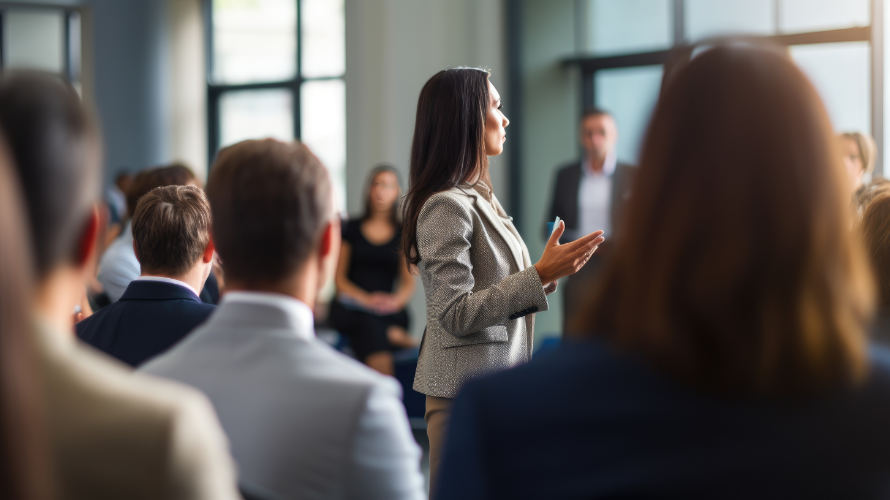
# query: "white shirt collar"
[609,166]
[164,279]
[299,313]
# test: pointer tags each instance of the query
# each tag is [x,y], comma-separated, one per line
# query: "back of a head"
[171,229]
[175,174]
[270,202]
[756,283]
[876,230]
[23,461]
[54,145]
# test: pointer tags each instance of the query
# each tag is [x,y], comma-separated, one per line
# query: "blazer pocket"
[488,335]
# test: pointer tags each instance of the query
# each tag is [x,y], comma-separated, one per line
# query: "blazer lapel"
[499,225]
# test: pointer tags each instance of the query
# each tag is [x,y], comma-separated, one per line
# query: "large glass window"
[840,72]
[628,25]
[629,94]
[705,18]
[43,37]
[831,40]
[276,70]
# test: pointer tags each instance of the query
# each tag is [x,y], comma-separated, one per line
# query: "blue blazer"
[148,319]
[586,422]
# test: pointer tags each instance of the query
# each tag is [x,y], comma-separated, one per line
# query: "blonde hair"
[867,149]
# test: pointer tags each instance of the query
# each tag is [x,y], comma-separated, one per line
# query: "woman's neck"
[379,216]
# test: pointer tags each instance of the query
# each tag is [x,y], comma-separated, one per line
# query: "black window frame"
[588,64]
[71,52]
[215,90]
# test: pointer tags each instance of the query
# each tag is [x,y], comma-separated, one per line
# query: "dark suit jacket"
[587,422]
[149,318]
[564,201]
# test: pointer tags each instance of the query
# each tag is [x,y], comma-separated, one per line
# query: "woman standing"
[481,287]
[373,281]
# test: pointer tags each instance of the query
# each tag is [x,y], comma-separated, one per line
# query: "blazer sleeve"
[444,236]
[198,455]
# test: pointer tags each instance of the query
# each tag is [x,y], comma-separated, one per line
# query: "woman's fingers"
[555,234]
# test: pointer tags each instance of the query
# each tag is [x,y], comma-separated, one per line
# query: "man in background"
[588,195]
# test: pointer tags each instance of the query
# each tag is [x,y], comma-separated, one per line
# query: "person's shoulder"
[456,201]
[570,168]
[573,366]
[332,367]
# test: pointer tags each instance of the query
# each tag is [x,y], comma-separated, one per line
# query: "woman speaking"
[481,287]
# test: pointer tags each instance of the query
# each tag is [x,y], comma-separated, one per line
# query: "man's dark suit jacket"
[149,318]
[586,421]
[564,202]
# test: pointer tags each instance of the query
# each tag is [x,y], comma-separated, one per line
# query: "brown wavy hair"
[737,271]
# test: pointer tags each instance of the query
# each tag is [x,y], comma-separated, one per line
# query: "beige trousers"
[437,412]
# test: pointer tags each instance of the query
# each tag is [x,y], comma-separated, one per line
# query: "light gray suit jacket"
[302,419]
[480,287]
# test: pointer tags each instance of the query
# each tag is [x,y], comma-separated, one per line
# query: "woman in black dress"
[373,281]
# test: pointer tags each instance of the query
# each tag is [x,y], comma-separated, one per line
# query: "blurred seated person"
[171,236]
[725,353]
[116,198]
[373,282]
[111,433]
[118,266]
[858,151]
[876,229]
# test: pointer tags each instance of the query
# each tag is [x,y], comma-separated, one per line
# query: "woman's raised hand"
[559,261]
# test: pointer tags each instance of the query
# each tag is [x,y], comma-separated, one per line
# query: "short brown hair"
[270,202]
[737,270]
[175,174]
[171,229]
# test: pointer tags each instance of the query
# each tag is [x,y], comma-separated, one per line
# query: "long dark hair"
[448,146]
[758,285]
[394,210]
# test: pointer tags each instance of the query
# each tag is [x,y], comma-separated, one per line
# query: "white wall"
[392,48]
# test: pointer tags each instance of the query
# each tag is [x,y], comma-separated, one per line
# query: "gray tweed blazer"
[481,290]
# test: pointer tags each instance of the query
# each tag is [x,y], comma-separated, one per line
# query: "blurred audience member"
[116,197]
[304,420]
[870,191]
[727,352]
[118,265]
[858,151]
[588,195]
[24,460]
[112,434]
[373,281]
[171,235]
[876,228]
